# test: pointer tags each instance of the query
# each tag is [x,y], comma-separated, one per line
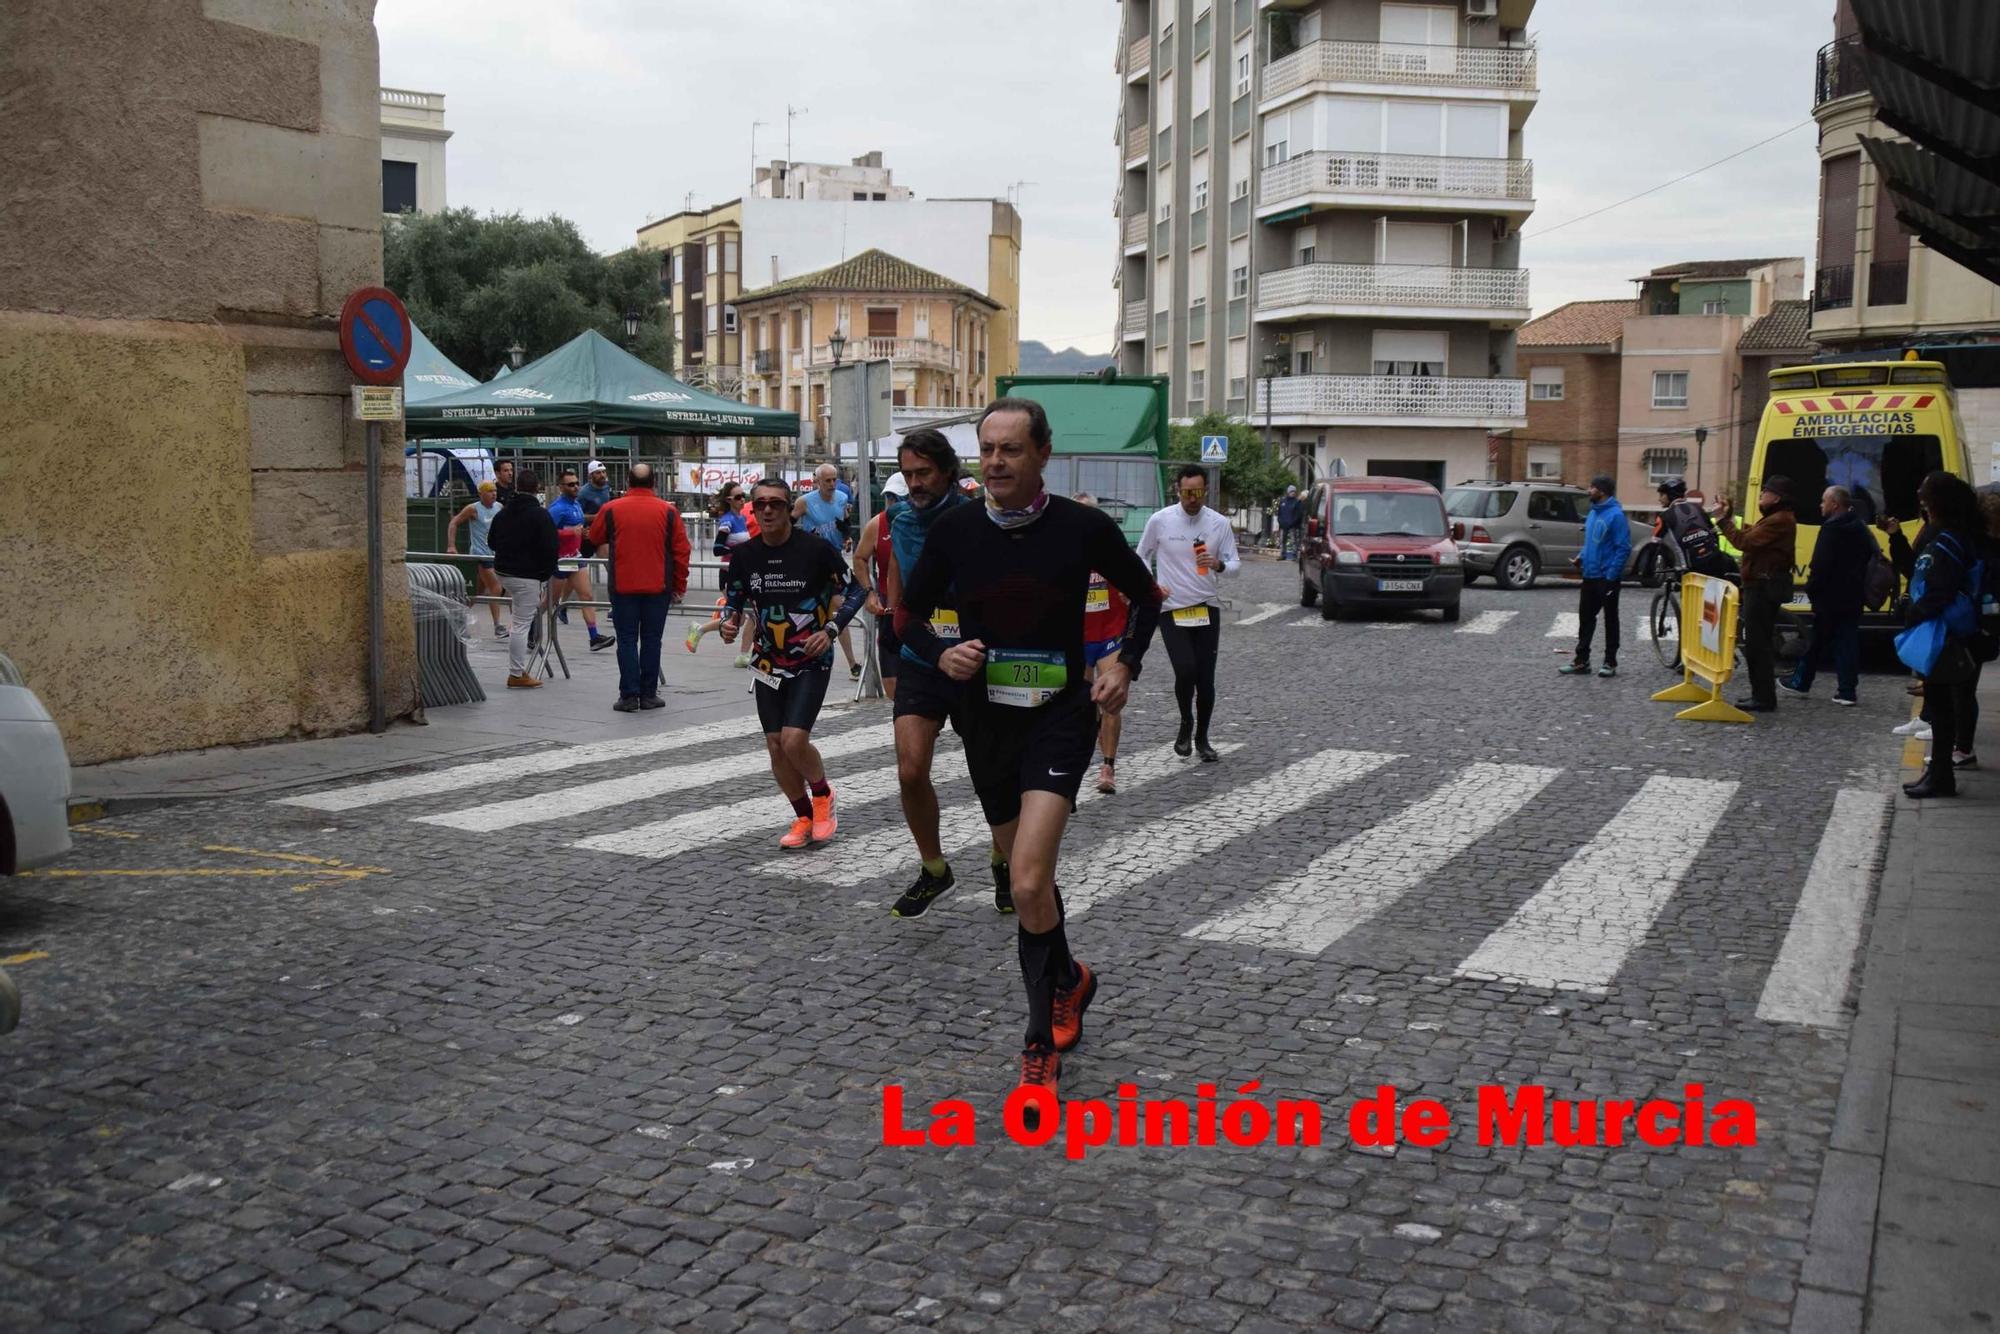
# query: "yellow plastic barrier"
[1710,605]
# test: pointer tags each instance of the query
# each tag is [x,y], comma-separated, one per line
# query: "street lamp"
[836,343]
[631,326]
[516,354]
[1270,374]
[1700,439]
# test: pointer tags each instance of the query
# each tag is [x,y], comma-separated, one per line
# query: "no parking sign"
[375,335]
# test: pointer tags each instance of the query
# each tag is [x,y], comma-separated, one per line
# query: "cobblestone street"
[557,1037]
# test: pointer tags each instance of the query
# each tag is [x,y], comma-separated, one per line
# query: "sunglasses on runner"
[771,503]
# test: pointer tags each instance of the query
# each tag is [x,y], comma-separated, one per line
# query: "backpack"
[1878,581]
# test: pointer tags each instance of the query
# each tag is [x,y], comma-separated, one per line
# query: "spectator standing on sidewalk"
[647,570]
[503,479]
[1945,586]
[1839,572]
[1607,547]
[1291,518]
[523,538]
[1769,547]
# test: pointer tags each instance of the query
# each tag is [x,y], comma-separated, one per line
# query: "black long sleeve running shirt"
[1023,588]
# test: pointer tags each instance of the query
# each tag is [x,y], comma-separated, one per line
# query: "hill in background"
[1037,359]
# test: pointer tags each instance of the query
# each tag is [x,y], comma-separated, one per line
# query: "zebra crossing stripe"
[1199,829]
[1487,623]
[694,829]
[1265,612]
[1567,625]
[1809,981]
[1304,622]
[563,803]
[486,772]
[1348,886]
[1593,912]
[960,827]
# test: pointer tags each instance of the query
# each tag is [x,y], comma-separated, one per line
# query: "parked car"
[1378,542]
[1515,531]
[34,778]
[34,796]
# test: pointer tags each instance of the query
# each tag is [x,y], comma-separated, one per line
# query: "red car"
[1378,542]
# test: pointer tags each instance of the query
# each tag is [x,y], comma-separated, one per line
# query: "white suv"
[34,778]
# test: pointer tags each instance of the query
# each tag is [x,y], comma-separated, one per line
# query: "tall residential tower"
[1326,196]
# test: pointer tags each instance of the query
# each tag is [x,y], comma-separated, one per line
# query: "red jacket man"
[649,544]
[649,569]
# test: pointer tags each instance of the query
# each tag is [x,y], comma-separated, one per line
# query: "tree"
[1246,478]
[475,285]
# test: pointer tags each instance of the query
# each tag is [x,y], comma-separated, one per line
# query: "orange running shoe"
[1069,1006]
[1039,1065]
[796,837]
[824,821]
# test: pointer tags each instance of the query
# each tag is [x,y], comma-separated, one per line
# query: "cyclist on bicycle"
[1686,528]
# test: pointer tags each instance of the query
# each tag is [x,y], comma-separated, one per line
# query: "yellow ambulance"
[1875,427]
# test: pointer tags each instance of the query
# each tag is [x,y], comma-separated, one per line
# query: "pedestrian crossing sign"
[1215,449]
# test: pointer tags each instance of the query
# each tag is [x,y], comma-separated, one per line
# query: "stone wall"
[191,188]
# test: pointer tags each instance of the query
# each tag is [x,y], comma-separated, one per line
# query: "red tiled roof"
[1578,324]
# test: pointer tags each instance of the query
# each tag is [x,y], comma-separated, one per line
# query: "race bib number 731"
[1025,678]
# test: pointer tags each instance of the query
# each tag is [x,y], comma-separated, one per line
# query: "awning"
[590,384]
[1956,212]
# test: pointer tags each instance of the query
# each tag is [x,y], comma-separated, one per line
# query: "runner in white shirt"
[1189,546]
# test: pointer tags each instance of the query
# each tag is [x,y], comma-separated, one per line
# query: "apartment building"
[933,331]
[413,143]
[865,178]
[1681,370]
[1319,206]
[710,256]
[1878,289]
[1570,358]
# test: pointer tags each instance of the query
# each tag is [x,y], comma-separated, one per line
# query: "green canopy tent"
[586,385]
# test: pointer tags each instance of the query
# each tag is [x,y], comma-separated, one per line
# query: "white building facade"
[413,144]
[1326,196]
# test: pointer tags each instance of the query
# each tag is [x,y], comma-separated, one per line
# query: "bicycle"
[1788,634]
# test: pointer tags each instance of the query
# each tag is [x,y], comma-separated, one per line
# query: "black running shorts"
[795,702]
[1011,751]
[926,692]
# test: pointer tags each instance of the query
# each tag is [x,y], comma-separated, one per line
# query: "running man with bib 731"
[1018,567]
[793,578]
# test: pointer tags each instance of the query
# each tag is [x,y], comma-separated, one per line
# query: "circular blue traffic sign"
[375,335]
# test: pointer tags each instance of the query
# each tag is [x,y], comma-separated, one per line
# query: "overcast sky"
[610,112]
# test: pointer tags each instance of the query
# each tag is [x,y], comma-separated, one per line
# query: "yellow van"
[1875,427]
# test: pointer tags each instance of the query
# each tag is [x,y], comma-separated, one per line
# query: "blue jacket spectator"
[1607,541]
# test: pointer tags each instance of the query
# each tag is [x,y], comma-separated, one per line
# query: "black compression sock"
[820,788]
[1045,965]
[802,807]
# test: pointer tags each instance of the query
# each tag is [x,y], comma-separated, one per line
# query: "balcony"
[1314,291]
[1139,60]
[764,361]
[1138,140]
[1833,287]
[923,352]
[1397,180]
[1837,73]
[1135,320]
[1135,232]
[1393,400]
[1888,282]
[1479,72]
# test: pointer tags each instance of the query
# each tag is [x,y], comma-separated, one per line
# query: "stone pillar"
[191,189]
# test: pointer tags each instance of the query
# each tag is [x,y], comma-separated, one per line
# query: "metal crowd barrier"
[444,676]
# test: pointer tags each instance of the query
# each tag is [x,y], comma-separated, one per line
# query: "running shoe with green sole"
[1003,888]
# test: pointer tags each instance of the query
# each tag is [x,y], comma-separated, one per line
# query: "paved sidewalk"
[698,688]
[1908,1218]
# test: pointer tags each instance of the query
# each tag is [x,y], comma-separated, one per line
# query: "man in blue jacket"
[1607,546]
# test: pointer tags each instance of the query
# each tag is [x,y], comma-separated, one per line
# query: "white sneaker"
[1916,727]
